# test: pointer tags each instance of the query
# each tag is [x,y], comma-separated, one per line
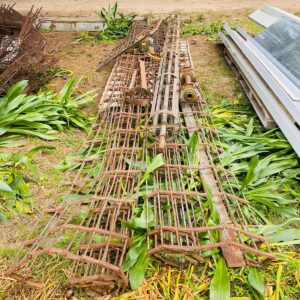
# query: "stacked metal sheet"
[268,68]
[269,15]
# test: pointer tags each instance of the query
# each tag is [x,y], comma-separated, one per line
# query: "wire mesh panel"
[164,118]
[138,34]
[192,208]
[86,228]
[22,49]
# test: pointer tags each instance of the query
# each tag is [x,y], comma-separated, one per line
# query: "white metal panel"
[278,13]
[280,115]
[292,106]
[291,89]
[262,18]
[269,15]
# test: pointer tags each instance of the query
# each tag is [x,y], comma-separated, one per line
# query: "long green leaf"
[249,129]
[3,218]
[251,174]
[137,261]
[5,187]
[157,162]
[220,284]
[256,280]
[16,90]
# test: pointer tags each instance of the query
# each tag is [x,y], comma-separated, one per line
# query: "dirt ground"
[88,7]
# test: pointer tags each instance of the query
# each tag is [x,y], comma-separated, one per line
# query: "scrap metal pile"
[22,49]
[151,110]
[268,68]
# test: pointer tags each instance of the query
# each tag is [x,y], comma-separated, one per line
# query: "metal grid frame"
[108,196]
[22,49]
[108,181]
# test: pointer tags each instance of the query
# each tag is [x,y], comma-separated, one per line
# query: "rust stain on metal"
[133,125]
[22,49]
[131,40]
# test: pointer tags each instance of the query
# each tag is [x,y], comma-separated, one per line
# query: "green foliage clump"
[42,114]
[116,26]
[265,164]
[17,172]
[211,30]
[84,37]
[137,260]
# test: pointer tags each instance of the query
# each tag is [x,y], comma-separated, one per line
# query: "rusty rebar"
[22,49]
[192,210]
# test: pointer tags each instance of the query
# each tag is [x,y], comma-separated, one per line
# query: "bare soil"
[88,7]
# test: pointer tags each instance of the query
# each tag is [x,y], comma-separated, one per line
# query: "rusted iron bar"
[131,41]
[234,257]
[22,49]
[106,184]
[233,254]
[165,103]
[190,210]
[185,224]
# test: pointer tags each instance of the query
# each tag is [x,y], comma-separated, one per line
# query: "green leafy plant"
[157,162]
[17,172]
[200,18]
[188,28]
[211,30]
[256,280]
[40,115]
[267,170]
[137,260]
[84,37]
[116,24]
[264,162]
[11,141]
[220,284]
[251,171]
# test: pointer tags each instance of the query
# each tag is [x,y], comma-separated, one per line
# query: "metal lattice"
[22,49]
[194,205]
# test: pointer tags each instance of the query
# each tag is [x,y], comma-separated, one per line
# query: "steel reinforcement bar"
[191,211]
[87,228]
[165,104]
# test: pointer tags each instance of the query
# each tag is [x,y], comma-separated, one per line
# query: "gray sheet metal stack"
[270,84]
[269,15]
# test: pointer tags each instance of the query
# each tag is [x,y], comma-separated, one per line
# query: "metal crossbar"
[138,34]
[194,207]
[22,49]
